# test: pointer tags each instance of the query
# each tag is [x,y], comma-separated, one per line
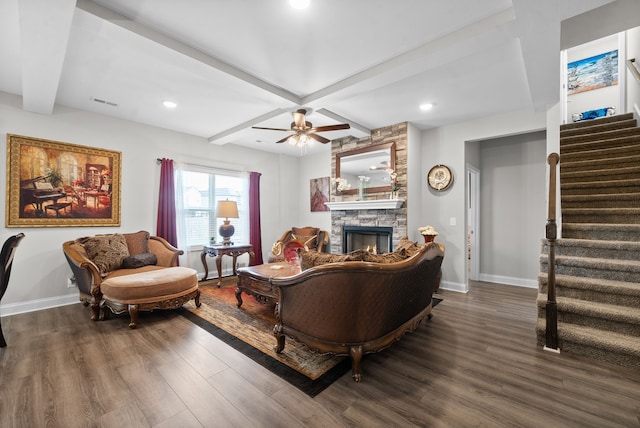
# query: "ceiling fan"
[304,131]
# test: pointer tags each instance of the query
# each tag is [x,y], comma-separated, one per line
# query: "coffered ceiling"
[230,65]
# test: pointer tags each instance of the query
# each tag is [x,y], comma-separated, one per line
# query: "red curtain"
[255,233]
[166,227]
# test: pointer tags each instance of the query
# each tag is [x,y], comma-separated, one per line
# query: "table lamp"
[227,209]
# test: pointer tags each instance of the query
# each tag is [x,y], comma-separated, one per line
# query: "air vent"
[109,103]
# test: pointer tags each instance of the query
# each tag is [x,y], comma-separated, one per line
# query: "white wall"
[446,145]
[40,271]
[316,166]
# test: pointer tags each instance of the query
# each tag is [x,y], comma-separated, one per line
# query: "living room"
[284,184]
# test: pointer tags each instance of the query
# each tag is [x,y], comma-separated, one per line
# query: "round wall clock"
[440,177]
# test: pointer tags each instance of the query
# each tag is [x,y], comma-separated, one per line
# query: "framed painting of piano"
[55,184]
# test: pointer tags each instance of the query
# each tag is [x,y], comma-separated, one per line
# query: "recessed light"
[169,104]
[299,4]
[426,106]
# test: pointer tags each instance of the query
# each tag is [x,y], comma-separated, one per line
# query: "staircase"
[598,257]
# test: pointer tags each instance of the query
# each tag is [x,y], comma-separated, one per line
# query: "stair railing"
[551,330]
[633,67]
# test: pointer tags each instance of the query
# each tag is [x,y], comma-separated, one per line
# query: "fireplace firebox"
[363,237]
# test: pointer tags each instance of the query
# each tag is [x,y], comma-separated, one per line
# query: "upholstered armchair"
[313,239]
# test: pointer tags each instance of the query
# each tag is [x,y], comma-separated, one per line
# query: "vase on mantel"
[337,198]
[429,238]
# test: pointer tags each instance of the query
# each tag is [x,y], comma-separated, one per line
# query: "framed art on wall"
[319,194]
[591,73]
[56,184]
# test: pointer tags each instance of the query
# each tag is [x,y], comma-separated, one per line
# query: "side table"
[218,251]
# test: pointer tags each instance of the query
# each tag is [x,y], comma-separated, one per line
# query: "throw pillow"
[409,247]
[313,258]
[137,243]
[106,251]
[139,260]
[385,258]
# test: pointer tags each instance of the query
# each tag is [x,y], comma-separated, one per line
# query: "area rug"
[249,329]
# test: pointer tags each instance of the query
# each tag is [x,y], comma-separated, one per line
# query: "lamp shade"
[227,209]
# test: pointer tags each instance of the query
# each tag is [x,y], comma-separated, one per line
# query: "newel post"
[551,339]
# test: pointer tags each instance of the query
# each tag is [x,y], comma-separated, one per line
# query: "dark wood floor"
[475,364]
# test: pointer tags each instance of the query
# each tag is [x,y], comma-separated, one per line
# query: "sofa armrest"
[86,273]
[166,253]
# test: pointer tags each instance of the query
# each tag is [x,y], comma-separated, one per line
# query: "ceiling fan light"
[299,4]
[292,140]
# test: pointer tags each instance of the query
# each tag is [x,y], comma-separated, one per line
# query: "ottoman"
[167,288]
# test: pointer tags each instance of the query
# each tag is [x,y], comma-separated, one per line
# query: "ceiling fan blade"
[318,138]
[330,127]
[284,139]
[271,129]
[298,118]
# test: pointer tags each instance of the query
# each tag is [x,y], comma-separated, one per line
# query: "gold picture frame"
[56,184]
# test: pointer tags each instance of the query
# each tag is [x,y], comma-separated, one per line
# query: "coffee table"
[255,280]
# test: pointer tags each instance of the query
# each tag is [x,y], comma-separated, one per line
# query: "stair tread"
[603,339]
[602,196]
[598,243]
[591,226]
[608,311]
[595,337]
[602,210]
[626,182]
[611,286]
[598,260]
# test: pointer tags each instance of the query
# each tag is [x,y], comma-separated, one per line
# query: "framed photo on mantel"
[56,184]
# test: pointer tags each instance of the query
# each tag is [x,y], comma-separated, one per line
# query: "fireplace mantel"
[374,204]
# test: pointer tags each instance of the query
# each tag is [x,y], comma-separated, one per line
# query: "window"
[198,191]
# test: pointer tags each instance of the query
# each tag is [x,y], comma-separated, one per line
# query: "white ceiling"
[230,65]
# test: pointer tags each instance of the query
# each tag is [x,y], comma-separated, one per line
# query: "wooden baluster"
[551,338]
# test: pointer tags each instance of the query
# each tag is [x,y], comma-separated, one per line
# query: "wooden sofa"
[140,275]
[357,307]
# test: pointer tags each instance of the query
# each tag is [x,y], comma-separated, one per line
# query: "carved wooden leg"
[197,299]
[3,342]
[95,311]
[106,313]
[239,296]
[133,314]
[356,357]
[277,331]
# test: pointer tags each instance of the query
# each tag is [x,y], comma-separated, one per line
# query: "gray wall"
[512,207]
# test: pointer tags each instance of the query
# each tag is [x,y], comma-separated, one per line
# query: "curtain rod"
[159,161]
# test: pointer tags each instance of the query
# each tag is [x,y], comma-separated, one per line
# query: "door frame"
[472,202]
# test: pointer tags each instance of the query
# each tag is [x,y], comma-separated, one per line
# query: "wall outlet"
[452,221]
[71,282]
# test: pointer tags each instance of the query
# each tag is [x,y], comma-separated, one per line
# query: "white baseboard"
[454,286]
[508,280]
[38,304]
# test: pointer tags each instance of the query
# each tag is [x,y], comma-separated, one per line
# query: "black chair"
[6,258]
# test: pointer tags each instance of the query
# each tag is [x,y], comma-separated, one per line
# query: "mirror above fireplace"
[374,162]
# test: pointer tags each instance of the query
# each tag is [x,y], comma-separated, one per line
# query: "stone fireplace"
[367,237]
[394,219]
